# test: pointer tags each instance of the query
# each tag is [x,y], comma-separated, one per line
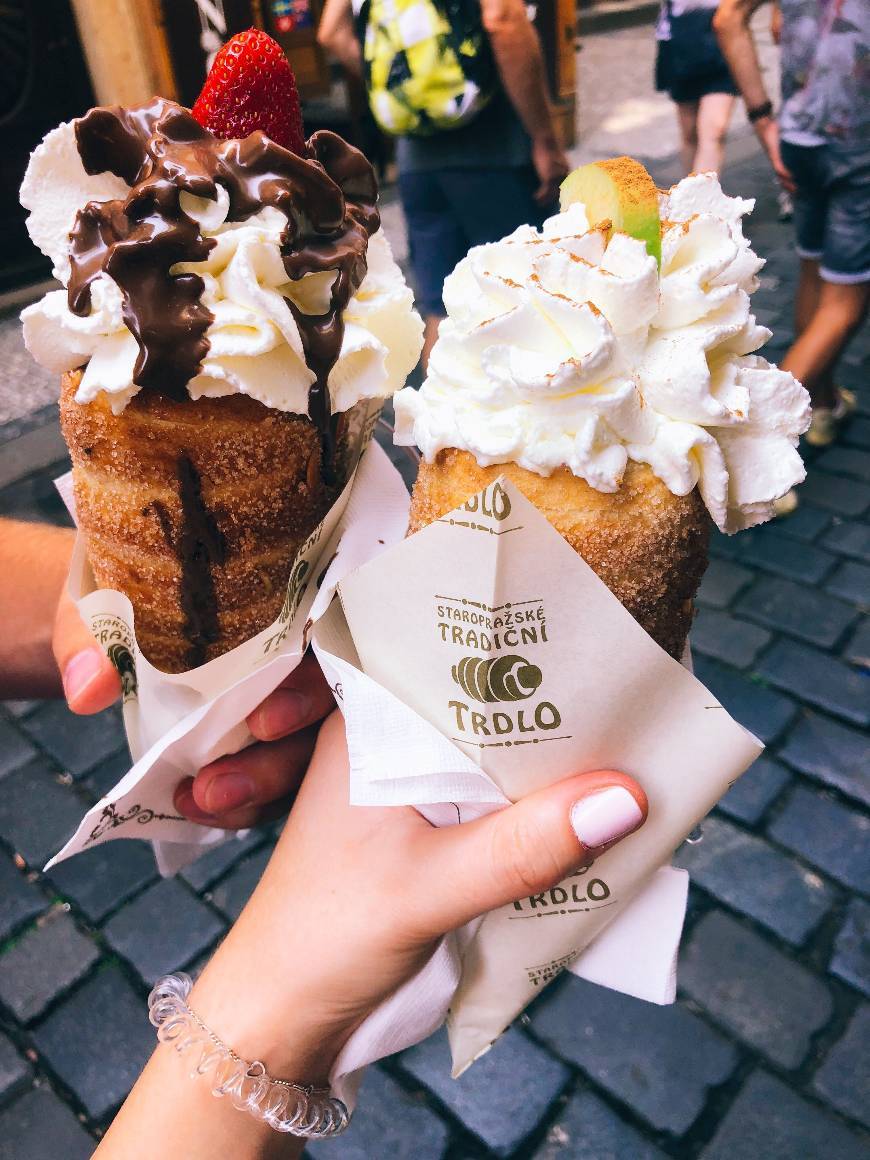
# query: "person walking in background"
[463,87]
[820,150]
[691,69]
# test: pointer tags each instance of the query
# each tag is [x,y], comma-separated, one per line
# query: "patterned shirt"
[825,72]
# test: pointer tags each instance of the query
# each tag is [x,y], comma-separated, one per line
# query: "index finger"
[303,698]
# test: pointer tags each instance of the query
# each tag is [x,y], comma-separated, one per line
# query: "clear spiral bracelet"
[287,1107]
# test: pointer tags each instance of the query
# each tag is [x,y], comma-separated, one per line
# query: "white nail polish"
[604,816]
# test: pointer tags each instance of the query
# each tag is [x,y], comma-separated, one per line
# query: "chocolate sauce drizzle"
[329,201]
[200,545]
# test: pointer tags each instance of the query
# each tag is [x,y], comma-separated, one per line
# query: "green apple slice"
[619,191]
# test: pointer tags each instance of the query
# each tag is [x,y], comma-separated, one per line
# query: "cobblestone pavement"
[765,1054]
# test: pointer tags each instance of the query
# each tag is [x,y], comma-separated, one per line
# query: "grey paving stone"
[105,776]
[661,1061]
[387,1122]
[768,1121]
[806,524]
[851,957]
[797,610]
[163,929]
[36,498]
[46,961]
[76,743]
[752,877]
[99,880]
[752,793]
[753,990]
[820,679]
[827,834]
[851,581]
[20,900]
[843,497]
[20,708]
[15,749]
[231,894]
[586,1129]
[722,581]
[726,547]
[503,1097]
[850,539]
[857,650]
[834,753]
[761,710]
[207,869]
[725,638]
[39,1127]
[37,814]
[15,1072]
[785,556]
[844,1078]
[857,433]
[97,1041]
[846,461]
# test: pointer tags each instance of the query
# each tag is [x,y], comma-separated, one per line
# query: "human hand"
[552,167]
[775,23]
[234,792]
[767,130]
[90,680]
[260,782]
[355,900]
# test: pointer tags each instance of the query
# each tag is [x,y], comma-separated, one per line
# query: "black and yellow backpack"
[428,64]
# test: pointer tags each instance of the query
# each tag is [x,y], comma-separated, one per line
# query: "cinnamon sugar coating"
[259,489]
[648,545]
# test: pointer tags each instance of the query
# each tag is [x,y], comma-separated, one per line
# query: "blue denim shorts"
[450,210]
[832,208]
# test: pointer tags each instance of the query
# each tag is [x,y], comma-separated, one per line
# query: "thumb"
[90,682]
[525,849]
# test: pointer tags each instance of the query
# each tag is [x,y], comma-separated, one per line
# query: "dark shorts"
[450,210]
[685,89]
[832,208]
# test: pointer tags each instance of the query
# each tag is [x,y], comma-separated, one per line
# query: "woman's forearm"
[34,560]
[170,1115]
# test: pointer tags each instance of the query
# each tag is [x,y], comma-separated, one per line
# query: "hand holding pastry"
[350,907]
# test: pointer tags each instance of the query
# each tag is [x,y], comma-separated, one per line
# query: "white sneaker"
[826,420]
[785,505]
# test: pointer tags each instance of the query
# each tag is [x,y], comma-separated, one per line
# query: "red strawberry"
[251,86]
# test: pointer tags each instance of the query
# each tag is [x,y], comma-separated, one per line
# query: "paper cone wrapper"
[502,664]
[177,723]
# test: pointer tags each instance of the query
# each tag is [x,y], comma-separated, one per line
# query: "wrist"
[276,1021]
[763,111]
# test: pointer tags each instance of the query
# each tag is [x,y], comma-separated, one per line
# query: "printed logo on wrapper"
[497,676]
[493,502]
[115,636]
[526,663]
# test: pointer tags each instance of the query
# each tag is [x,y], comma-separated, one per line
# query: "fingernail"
[228,792]
[84,667]
[284,712]
[185,804]
[604,816]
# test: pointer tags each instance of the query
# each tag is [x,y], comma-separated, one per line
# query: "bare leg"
[687,119]
[806,301]
[805,305]
[814,354]
[714,113]
[430,333]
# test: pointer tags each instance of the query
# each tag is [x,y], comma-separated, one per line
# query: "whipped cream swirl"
[564,348]
[254,344]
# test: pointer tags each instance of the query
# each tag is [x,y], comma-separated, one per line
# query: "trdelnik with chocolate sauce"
[213,266]
[232,319]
